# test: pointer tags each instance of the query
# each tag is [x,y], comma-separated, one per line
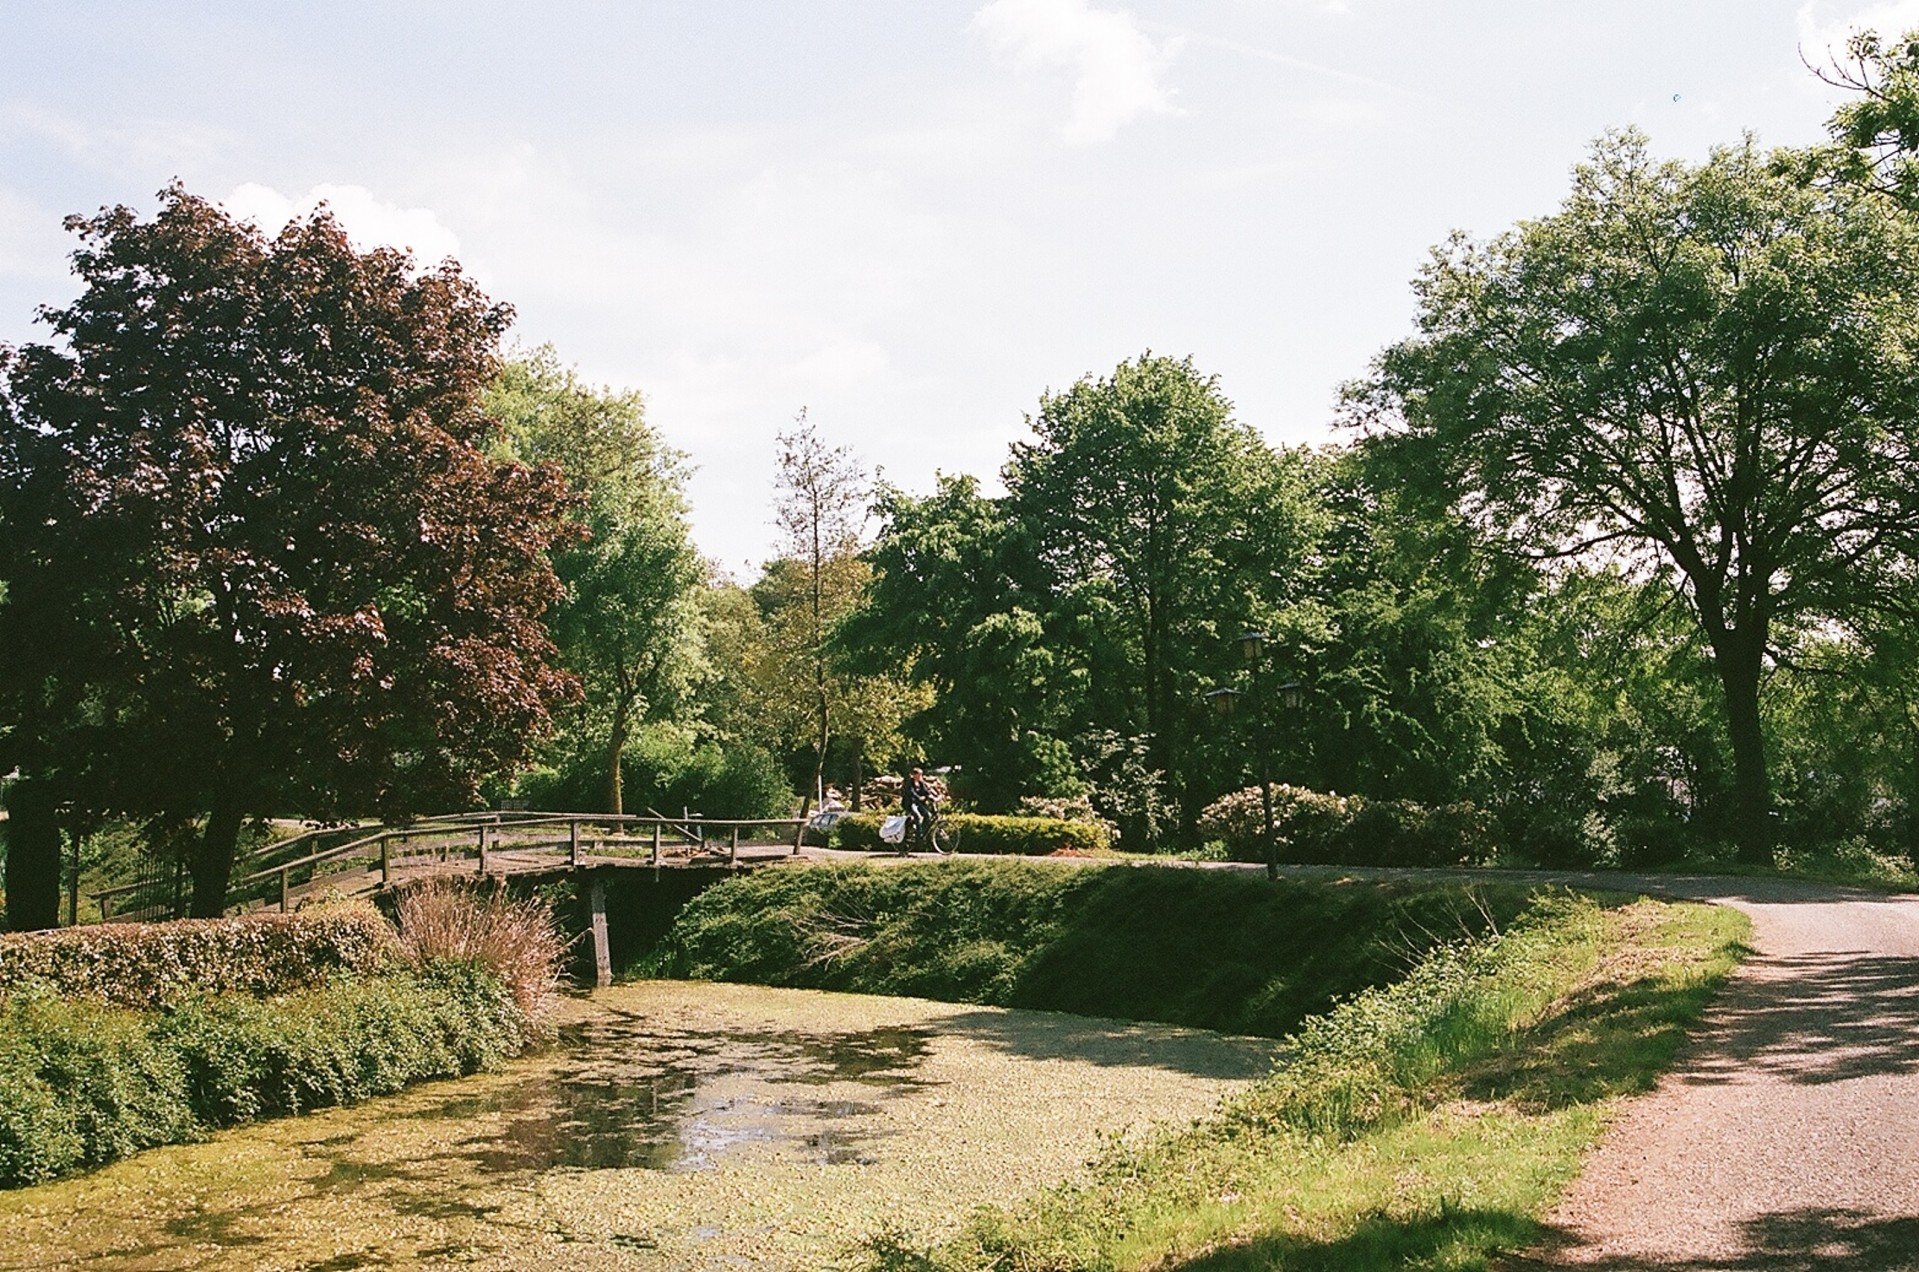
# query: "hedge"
[148,965]
[83,1083]
[980,833]
[1317,827]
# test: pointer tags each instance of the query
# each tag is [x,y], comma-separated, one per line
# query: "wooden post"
[656,845]
[602,952]
[573,843]
[386,862]
[482,847]
[106,907]
[284,899]
[733,848]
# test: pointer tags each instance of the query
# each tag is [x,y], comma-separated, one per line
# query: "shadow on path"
[1808,1240]
[1811,1019]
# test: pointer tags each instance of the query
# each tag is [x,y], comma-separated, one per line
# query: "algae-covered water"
[675,1125]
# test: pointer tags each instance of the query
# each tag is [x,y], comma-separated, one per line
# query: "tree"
[1160,525]
[628,625]
[819,506]
[258,558]
[953,607]
[1706,372]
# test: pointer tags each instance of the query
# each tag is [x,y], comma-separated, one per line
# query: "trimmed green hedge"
[1314,827]
[83,1083]
[980,833]
[146,965]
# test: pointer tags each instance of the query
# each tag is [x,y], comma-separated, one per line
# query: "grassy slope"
[1218,950]
[1425,1124]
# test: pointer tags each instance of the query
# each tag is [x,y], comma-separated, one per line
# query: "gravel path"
[1788,1135]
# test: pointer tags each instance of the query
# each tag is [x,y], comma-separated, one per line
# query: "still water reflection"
[621,1092]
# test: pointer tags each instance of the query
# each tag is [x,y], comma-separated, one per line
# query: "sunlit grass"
[1425,1124]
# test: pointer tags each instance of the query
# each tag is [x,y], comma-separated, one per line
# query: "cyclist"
[921,807]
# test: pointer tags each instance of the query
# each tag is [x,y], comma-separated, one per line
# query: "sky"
[909,218]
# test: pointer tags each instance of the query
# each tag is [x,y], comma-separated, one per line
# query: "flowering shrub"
[1315,827]
[147,965]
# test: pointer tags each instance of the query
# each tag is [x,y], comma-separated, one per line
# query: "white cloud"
[1825,27]
[1116,67]
[369,222]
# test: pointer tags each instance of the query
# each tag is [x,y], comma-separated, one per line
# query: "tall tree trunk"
[33,857]
[1738,656]
[213,861]
[615,751]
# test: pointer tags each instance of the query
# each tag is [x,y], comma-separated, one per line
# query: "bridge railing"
[354,859]
[506,843]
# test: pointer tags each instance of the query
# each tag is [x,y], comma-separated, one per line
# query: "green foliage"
[986,833]
[1707,371]
[628,625]
[1314,827]
[82,1083]
[146,965]
[1194,947]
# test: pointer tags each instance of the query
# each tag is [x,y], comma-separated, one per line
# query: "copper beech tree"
[256,558]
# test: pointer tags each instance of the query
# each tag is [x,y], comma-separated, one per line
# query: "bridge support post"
[285,889]
[482,848]
[733,849]
[386,861]
[573,844]
[656,845]
[602,951]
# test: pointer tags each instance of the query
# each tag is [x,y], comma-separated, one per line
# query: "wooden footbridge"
[356,860]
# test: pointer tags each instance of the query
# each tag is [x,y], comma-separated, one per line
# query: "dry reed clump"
[518,940]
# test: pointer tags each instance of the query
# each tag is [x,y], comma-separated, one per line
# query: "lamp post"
[1252,647]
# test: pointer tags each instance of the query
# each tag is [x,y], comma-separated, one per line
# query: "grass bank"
[1426,1123]
[1210,949]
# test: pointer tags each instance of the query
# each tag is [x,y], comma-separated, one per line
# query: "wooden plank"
[602,951]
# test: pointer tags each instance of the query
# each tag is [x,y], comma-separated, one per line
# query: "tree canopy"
[258,556]
[1705,371]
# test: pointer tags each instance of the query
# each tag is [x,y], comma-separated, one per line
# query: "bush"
[83,1083]
[1319,828]
[444,921]
[981,833]
[149,964]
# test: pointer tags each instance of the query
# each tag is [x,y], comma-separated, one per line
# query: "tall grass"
[516,939]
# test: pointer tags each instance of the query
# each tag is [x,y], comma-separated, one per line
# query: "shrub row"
[1211,949]
[980,833]
[1314,827]
[150,964]
[83,1083]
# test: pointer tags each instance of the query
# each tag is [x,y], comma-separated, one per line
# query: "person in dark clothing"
[920,802]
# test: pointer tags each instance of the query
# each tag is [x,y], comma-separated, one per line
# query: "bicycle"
[925,835]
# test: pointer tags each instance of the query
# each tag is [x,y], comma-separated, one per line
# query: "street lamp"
[1292,695]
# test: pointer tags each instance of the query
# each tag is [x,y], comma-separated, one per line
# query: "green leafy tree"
[1706,371]
[954,606]
[629,623]
[1160,524]
[258,558]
